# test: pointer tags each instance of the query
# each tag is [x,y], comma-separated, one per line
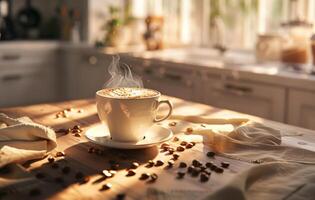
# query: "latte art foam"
[128,93]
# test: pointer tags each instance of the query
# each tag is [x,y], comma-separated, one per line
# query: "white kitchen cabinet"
[85,72]
[301,108]
[27,77]
[253,98]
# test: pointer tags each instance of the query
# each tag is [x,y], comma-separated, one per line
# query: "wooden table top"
[63,185]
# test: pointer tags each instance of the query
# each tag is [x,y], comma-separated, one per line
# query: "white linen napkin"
[22,140]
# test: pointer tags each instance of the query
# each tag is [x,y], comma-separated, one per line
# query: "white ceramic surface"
[155,135]
[129,119]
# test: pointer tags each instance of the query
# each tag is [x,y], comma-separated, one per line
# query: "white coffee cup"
[128,119]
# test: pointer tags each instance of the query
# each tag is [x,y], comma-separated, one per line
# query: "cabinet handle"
[11,77]
[238,90]
[11,57]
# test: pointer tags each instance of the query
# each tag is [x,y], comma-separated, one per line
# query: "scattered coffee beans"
[172,124]
[131,173]
[204,177]
[190,169]
[189,146]
[85,180]
[159,163]
[150,163]
[209,164]
[175,156]
[144,176]
[171,150]
[106,186]
[219,170]
[180,149]
[196,163]
[107,173]
[134,165]
[225,164]
[182,165]
[60,154]
[189,130]
[180,175]
[183,143]
[175,139]
[50,159]
[210,154]
[195,172]
[170,163]
[154,177]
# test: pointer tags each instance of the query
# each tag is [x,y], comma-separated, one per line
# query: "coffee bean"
[154,177]
[164,145]
[59,180]
[34,192]
[193,143]
[172,124]
[159,163]
[202,168]
[209,164]
[210,154]
[180,149]
[144,176]
[77,135]
[189,130]
[40,175]
[196,163]
[65,170]
[195,172]
[131,173]
[171,150]
[51,159]
[213,167]
[120,196]
[183,143]
[207,171]
[175,139]
[150,163]
[225,164]
[170,163]
[91,150]
[106,186]
[182,165]
[106,173]
[190,169]
[189,146]
[76,131]
[55,166]
[175,156]
[180,175]
[60,154]
[79,175]
[202,125]
[219,170]
[134,165]
[257,161]
[77,127]
[204,177]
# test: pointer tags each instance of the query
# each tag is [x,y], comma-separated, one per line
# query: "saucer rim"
[130,145]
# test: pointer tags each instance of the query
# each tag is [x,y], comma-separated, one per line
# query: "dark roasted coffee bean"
[159,163]
[120,196]
[182,165]
[77,135]
[183,143]
[91,150]
[189,146]
[190,169]
[40,175]
[170,163]
[210,154]
[60,154]
[171,150]
[193,143]
[50,159]
[225,164]
[189,130]
[164,145]
[54,166]
[85,180]
[175,156]
[106,186]
[76,131]
[77,127]
[153,177]
[134,165]
[202,168]
[175,139]
[150,163]
[144,176]
[59,180]
[66,170]
[207,171]
[79,175]
[195,172]
[180,175]
[213,167]
[106,173]
[219,170]
[196,163]
[204,177]
[209,164]
[131,173]
[180,149]
[34,192]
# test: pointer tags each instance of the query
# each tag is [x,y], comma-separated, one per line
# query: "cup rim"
[158,94]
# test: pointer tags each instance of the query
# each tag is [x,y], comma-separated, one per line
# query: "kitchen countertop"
[78,158]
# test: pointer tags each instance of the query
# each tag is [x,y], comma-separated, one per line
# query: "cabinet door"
[247,97]
[301,109]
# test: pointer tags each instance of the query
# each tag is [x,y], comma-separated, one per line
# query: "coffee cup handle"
[168,114]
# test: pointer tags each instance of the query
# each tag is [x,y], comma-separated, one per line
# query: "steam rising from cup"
[121,76]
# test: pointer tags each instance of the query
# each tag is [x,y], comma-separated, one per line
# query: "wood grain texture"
[79,160]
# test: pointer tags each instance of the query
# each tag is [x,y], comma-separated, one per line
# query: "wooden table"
[80,160]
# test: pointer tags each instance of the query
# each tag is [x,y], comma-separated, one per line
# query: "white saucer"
[156,134]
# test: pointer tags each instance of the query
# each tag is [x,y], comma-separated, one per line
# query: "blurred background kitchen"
[251,56]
